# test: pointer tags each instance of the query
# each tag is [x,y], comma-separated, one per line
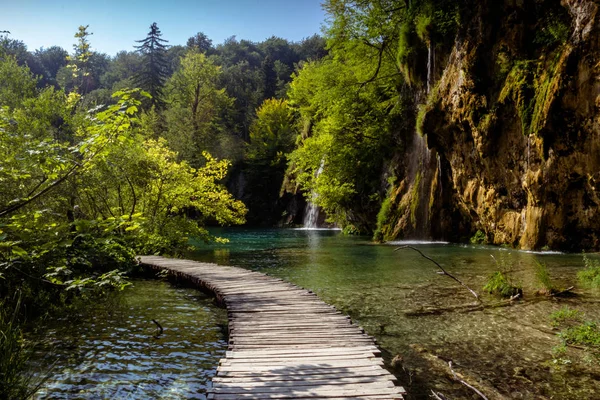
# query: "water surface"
[114,350]
[507,350]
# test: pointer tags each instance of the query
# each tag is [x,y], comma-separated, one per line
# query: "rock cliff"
[508,132]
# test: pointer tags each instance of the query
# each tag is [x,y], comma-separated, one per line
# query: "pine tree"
[153,72]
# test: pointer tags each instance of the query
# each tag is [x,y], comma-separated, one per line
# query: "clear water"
[507,351]
[114,352]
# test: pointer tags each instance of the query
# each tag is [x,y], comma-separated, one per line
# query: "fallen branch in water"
[465,308]
[159,327]
[438,396]
[444,272]
[562,292]
[441,363]
[465,383]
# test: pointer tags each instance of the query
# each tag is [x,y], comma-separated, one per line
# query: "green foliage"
[415,199]
[566,317]
[382,218]
[590,275]
[575,330]
[272,137]
[479,237]
[554,29]
[153,72]
[500,284]
[79,62]
[519,87]
[196,100]
[16,82]
[351,132]
[272,134]
[586,334]
[14,354]
[543,277]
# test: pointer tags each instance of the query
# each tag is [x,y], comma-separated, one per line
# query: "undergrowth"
[576,331]
[590,275]
[500,282]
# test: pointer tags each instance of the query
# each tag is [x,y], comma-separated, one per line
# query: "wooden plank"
[284,342]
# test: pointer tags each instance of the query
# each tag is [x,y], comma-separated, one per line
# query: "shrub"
[543,277]
[590,276]
[499,284]
[479,238]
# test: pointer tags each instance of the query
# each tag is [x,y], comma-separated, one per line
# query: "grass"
[543,278]
[500,282]
[15,352]
[575,330]
[590,275]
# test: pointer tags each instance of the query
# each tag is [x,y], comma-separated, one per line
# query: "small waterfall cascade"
[430,65]
[439,168]
[311,213]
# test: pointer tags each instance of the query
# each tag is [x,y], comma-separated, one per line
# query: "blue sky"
[117,24]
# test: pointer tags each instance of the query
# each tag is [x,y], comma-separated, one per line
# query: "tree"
[16,82]
[79,62]
[196,101]
[201,42]
[52,59]
[153,72]
[272,137]
[121,70]
[269,77]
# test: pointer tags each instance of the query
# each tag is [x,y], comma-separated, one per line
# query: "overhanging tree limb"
[23,203]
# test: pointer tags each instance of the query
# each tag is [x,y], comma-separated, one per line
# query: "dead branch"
[465,383]
[440,363]
[444,272]
[561,292]
[159,327]
[463,308]
[438,396]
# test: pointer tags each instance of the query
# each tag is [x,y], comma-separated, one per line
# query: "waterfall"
[439,167]
[430,65]
[311,214]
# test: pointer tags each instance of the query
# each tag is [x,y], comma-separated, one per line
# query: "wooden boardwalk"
[285,343]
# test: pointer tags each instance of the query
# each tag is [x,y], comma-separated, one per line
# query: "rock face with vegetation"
[508,130]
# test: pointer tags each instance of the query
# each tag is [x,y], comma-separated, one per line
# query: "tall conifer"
[153,72]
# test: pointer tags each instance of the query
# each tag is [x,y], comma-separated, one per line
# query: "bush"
[478,238]
[499,284]
[590,276]
[543,277]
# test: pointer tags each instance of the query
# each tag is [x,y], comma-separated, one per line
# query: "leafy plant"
[478,238]
[590,275]
[15,351]
[500,283]
[566,317]
[543,277]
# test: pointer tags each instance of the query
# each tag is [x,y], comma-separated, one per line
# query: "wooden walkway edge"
[285,343]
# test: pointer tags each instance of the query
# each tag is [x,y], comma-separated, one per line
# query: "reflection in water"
[508,348]
[113,352]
